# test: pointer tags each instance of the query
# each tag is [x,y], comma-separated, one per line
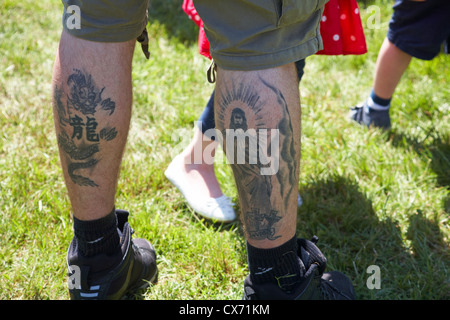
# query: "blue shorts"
[420,28]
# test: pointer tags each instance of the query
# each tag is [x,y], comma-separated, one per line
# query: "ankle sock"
[280,265]
[97,236]
[374,102]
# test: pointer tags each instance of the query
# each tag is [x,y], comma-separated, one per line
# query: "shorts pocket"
[293,11]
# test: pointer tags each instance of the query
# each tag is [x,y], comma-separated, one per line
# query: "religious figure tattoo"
[251,146]
[79,137]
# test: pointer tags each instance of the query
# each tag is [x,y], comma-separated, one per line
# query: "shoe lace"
[358,112]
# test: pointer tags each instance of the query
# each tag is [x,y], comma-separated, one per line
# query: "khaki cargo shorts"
[106,20]
[260,34]
[244,34]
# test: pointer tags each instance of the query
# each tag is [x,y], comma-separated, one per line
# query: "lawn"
[373,198]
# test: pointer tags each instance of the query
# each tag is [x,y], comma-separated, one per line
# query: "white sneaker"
[218,209]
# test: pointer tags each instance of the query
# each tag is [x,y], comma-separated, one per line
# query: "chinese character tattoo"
[80,137]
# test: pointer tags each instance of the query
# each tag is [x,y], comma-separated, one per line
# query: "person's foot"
[369,117]
[313,285]
[112,277]
[199,186]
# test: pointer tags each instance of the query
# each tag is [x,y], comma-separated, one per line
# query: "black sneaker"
[132,268]
[314,285]
[370,117]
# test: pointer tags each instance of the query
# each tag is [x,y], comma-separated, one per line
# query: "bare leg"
[196,163]
[92,109]
[192,172]
[254,100]
[247,103]
[391,64]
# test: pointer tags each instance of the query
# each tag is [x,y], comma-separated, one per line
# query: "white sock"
[375,106]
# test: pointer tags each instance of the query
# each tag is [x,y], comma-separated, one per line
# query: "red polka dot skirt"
[341,29]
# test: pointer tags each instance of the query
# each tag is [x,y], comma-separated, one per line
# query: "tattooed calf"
[84,96]
[78,115]
[242,108]
[78,179]
[261,225]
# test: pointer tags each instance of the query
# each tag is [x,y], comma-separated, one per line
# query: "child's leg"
[391,64]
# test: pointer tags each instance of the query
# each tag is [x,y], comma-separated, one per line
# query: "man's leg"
[270,105]
[92,108]
[257,111]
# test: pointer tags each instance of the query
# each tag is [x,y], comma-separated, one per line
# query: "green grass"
[373,198]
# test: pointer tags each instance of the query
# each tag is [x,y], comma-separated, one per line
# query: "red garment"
[203,43]
[340,27]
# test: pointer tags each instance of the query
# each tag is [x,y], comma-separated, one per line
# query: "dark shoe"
[314,285]
[370,117]
[112,277]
